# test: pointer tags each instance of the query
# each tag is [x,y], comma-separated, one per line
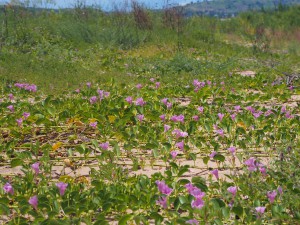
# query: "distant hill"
[229,8]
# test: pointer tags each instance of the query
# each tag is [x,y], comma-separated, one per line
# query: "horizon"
[106,5]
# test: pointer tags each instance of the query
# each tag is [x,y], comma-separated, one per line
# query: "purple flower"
[152,79]
[178,133]
[288,115]
[77,90]
[237,108]
[36,167]
[260,210]
[263,170]
[220,132]
[283,109]
[195,118]
[180,145]
[11,97]
[163,188]
[251,164]
[173,154]
[232,190]
[26,115]
[194,191]
[271,195]
[62,188]
[232,149]
[200,109]
[19,121]
[279,189]
[250,108]
[268,113]
[162,117]
[139,86]
[221,116]
[192,222]
[157,85]
[140,102]
[215,172]
[162,201]
[11,108]
[8,188]
[179,118]
[88,84]
[93,99]
[34,202]
[93,124]
[104,146]
[257,114]
[129,100]
[197,203]
[232,116]
[166,127]
[169,105]
[164,101]
[140,117]
[212,155]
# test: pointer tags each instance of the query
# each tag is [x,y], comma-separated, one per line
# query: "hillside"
[229,8]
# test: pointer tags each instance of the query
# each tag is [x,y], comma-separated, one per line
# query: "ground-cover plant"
[150,152]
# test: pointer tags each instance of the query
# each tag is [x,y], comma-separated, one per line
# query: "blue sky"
[108,4]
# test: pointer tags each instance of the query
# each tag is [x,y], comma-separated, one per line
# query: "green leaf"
[124,219]
[16,162]
[238,210]
[219,157]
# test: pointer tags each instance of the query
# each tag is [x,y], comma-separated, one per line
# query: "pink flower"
[271,195]
[288,115]
[36,167]
[263,170]
[173,154]
[283,109]
[8,188]
[11,108]
[26,115]
[88,84]
[93,124]
[232,190]
[19,122]
[162,201]
[34,202]
[139,86]
[197,203]
[162,117]
[232,149]
[62,188]
[192,222]
[180,145]
[163,188]
[104,146]
[250,108]
[77,90]
[140,102]
[169,105]
[221,116]
[140,117]
[166,127]
[215,172]
[129,100]
[194,191]
[257,114]
[152,79]
[93,99]
[251,164]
